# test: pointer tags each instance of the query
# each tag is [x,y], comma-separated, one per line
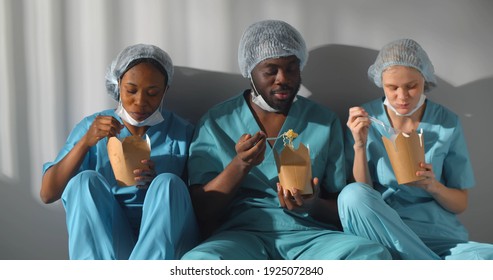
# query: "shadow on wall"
[336,75]
[194,91]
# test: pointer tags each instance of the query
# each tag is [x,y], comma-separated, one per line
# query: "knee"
[85,184]
[354,194]
[87,180]
[168,185]
[357,198]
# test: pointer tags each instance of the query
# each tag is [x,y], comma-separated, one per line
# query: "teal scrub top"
[169,139]
[445,149]
[256,205]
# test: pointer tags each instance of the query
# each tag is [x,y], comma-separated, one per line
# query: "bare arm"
[325,210]
[361,172]
[454,200]
[211,200]
[56,177]
[359,124]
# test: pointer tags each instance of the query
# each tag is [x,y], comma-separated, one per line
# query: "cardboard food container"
[294,169]
[406,152]
[125,157]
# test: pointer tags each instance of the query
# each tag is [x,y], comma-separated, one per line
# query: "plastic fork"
[272,138]
[390,130]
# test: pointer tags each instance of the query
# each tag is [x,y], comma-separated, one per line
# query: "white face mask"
[258,100]
[153,119]
[420,103]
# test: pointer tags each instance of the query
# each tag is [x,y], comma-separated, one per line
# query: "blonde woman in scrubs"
[417,220]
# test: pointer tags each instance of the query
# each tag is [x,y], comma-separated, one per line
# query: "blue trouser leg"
[471,251]
[168,228]
[97,227]
[306,245]
[459,250]
[363,212]
[229,245]
[314,244]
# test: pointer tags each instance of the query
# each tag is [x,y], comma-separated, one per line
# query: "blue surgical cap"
[269,39]
[405,52]
[124,60]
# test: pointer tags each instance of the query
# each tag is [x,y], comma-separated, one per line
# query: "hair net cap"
[269,39]
[405,52]
[128,55]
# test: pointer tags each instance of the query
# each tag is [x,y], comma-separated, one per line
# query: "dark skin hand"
[56,178]
[294,200]
[144,177]
[322,208]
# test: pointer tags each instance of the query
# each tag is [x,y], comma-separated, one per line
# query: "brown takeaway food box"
[295,169]
[405,152]
[125,157]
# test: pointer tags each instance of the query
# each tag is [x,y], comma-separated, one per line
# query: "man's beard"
[282,105]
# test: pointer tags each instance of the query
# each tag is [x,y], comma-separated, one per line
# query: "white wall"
[53,55]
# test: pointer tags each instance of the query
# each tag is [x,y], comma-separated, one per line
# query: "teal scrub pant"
[316,244]
[363,212]
[110,223]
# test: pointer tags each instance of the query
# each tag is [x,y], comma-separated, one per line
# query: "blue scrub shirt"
[256,205]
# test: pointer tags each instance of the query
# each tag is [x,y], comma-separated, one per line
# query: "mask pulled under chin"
[420,103]
[260,101]
[153,119]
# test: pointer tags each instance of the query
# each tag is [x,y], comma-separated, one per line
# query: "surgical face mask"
[420,103]
[153,119]
[260,101]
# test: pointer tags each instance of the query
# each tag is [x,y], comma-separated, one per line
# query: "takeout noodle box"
[125,157]
[294,169]
[406,152]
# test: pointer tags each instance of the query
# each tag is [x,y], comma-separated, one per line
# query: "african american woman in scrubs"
[153,219]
